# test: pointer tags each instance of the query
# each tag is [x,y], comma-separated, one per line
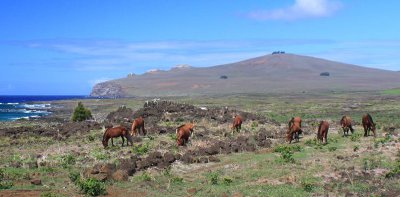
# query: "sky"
[55,47]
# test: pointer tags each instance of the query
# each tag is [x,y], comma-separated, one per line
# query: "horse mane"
[180,126]
[105,132]
[370,119]
[291,122]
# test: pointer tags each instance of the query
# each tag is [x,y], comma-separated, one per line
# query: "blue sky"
[54,47]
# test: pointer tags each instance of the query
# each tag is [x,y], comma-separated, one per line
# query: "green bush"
[287,156]
[286,148]
[395,172]
[356,137]
[308,184]
[92,187]
[74,176]
[141,149]
[81,113]
[67,160]
[311,142]
[4,183]
[91,138]
[48,194]
[227,181]
[145,176]
[332,148]
[176,179]
[356,148]
[213,176]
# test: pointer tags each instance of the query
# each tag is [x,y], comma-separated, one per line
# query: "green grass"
[392,91]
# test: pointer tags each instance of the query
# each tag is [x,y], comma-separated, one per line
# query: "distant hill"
[277,73]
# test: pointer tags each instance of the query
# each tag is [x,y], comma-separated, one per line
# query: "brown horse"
[368,125]
[237,123]
[116,132]
[183,133]
[323,131]
[297,129]
[345,122]
[138,124]
[293,132]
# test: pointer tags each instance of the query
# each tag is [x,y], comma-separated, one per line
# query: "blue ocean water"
[27,107]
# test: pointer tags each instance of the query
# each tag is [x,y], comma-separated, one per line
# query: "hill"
[277,73]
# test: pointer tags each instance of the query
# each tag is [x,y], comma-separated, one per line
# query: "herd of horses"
[185,131]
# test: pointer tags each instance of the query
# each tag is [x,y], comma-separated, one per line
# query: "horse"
[368,125]
[345,122]
[237,123]
[323,131]
[293,132]
[183,133]
[138,124]
[298,131]
[116,132]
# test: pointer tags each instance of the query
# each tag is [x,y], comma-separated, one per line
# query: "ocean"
[27,107]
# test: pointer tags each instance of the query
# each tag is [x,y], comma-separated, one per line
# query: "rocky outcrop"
[108,90]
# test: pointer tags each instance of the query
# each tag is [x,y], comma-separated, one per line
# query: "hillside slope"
[278,73]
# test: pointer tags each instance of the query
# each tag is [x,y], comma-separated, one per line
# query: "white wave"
[36,106]
[12,103]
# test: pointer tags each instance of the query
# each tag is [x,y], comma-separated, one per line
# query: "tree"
[81,113]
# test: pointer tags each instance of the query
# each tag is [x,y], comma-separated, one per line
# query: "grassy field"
[392,91]
[346,165]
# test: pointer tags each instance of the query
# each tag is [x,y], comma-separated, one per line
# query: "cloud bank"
[301,9]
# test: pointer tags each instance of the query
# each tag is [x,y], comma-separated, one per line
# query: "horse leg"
[123,141]
[112,141]
[365,130]
[351,129]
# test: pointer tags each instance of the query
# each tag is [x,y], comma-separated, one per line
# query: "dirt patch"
[19,193]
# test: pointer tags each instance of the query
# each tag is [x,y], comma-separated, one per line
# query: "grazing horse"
[116,132]
[237,123]
[183,133]
[138,124]
[368,125]
[323,131]
[299,131]
[345,122]
[293,132]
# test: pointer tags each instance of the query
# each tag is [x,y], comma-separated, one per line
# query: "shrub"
[356,148]
[332,148]
[81,113]
[286,148]
[5,184]
[308,184]
[356,137]
[74,176]
[177,180]
[227,181]
[213,176]
[91,138]
[48,194]
[311,142]
[145,176]
[67,160]
[92,187]
[395,172]
[141,149]
[287,156]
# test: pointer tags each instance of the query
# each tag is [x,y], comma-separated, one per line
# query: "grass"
[270,172]
[392,91]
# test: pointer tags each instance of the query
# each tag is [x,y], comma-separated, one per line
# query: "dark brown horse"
[138,124]
[346,124]
[237,123]
[368,125]
[296,131]
[116,132]
[293,132]
[183,133]
[323,131]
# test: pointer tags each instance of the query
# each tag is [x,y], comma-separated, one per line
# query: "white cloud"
[301,9]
